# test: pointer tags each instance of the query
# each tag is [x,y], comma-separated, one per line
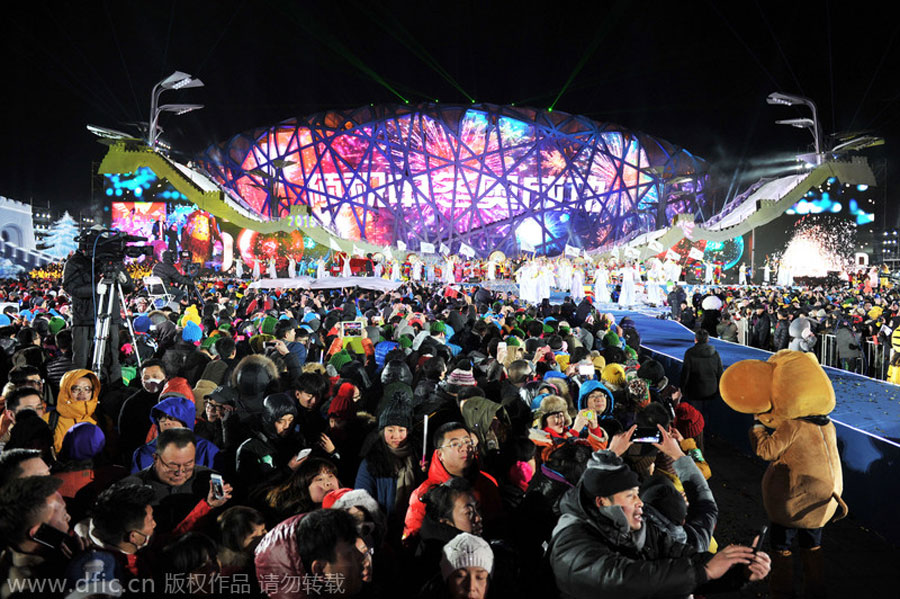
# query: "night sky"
[693,73]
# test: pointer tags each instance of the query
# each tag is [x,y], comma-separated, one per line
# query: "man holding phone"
[34,526]
[602,535]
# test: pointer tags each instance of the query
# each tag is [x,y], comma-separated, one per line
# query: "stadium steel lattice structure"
[490,177]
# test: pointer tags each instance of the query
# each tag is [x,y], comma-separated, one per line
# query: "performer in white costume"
[417,270]
[767,273]
[710,272]
[742,274]
[577,285]
[447,273]
[378,270]
[256,269]
[239,268]
[563,276]
[292,268]
[627,295]
[321,271]
[601,284]
[395,270]
[654,283]
[345,268]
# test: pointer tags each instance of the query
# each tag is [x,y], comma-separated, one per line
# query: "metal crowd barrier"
[877,359]
[827,351]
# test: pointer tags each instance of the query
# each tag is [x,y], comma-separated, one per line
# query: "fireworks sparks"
[819,246]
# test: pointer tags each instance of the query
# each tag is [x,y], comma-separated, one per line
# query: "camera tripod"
[108,289]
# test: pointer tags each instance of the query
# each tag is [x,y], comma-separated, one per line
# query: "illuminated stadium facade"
[491,177]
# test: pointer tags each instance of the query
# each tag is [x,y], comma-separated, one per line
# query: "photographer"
[170,276]
[81,275]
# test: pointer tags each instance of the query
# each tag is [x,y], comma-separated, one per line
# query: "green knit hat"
[405,342]
[56,325]
[268,325]
[340,359]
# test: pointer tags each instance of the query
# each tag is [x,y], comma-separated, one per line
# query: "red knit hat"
[177,386]
[342,405]
[688,420]
[332,496]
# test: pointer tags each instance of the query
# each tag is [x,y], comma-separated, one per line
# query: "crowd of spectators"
[461,445]
[848,326]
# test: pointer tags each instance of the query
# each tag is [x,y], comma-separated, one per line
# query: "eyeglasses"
[457,444]
[175,467]
[82,389]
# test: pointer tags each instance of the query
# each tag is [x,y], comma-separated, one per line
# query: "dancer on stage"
[321,270]
[601,284]
[742,274]
[628,274]
[239,268]
[256,270]
[345,267]
[577,285]
[655,276]
[292,268]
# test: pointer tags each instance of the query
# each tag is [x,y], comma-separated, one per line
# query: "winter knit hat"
[461,378]
[614,373]
[466,551]
[603,482]
[342,405]
[267,326]
[84,441]
[192,332]
[688,420]
[177,386]
[639,392]
[342,499]
[397,413]
[653,372]
[340,359]
[142,324]
[56,325]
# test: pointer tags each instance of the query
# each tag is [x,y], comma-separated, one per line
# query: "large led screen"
[492,177]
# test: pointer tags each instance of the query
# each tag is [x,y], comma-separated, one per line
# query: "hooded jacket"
[264,455]
[182,409]
[594,553]
[72,411]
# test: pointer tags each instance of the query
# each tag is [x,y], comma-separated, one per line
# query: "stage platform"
[867,419]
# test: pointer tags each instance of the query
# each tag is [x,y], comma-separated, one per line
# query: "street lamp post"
[176,80]
[778,98]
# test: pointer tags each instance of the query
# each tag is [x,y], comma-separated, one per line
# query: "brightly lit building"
[482,176]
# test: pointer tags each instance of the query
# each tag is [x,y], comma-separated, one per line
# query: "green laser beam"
[321,33]
[607,25]
[411,44]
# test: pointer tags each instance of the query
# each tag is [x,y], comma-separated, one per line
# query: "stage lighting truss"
[492,177]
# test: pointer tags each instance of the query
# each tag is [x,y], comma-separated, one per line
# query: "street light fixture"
[780,99]
[176,80]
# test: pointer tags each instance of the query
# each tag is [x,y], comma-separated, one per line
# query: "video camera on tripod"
[107,250]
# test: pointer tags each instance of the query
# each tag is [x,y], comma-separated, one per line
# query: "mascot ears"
[746,386]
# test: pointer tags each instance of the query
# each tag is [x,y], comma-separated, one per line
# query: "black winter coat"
[700,372]
[594,553]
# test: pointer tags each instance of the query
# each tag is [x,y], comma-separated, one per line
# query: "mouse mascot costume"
[790,397]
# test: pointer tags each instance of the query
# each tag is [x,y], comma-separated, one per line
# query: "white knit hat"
[466,551]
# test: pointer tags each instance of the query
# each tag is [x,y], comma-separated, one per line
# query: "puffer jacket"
[700,372]
[70,410]
[278,559]
[594,553]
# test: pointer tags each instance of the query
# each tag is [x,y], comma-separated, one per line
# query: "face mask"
[152,385]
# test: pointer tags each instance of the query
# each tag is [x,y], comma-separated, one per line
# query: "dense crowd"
[450,445]
[850,326]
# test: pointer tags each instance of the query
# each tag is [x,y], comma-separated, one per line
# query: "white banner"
[466,250]
[572,251]
[673,255]
[357,251]
[655,246]
[445,250]
[401,245]
[388,253]
[333,244]
[526,247]
[615,253]
[695,254]
[426,248]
